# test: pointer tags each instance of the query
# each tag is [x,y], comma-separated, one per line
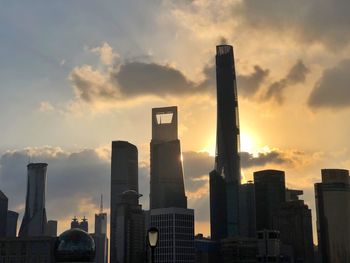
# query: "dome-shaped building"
[75,245]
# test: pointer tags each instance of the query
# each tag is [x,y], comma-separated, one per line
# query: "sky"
[76,75]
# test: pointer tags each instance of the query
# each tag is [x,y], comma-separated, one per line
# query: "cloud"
[197,166]
[105,51]
[138,78]
[332,90]
[128,81]
[46,106]
[122,81]
[248,85]
[296,75]
[248,160]
[326,22]
[92,85]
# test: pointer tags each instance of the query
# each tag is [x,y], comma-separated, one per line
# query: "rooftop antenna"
[101,205]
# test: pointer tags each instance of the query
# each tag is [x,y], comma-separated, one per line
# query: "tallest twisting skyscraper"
[225,178]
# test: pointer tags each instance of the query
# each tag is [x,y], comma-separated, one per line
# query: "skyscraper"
[124,177]
[176,234]
[247,211]
[167,184]
[3,213]
[270,193]
[11,224]
[226,177]
[101,221]
[34,219]
[333,215]
[130,229]
[293,221]
[100,236]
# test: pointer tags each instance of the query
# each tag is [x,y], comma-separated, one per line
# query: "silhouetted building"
[247,215]
[101,244]
[207,250]
[293,194]
[270,193]
[3,213]
[226,177]
[333,215]
[239,250]
[167,184]
[51,228]
[293,221]
[27,249]
[269,246]
[11,224]
[101,223]
[74,223]
[84,225]
[34,219]
[124,177]
[74,245]
[176,234]
[130,226]
[100,236]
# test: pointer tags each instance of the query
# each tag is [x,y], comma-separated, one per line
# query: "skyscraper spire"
[101,205]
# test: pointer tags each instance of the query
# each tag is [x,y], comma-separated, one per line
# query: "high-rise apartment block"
[333,215]
[270,193]
[167,183]
[226,177]
[176,234]
[124,177]
[34,219]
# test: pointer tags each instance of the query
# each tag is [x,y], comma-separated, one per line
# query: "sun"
[247,144]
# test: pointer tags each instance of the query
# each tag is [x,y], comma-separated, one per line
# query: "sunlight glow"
[247,143]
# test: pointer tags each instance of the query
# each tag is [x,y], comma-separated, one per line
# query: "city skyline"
[53,109]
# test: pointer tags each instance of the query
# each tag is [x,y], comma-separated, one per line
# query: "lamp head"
[153,235]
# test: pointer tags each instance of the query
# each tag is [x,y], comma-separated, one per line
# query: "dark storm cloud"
[248,85]
[135,79]
[138,78]
[297,74]
[313,20]
[332,90]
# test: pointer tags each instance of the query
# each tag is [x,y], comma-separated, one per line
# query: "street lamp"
[152,240]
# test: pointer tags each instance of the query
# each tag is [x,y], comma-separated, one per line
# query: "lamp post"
[152,240]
